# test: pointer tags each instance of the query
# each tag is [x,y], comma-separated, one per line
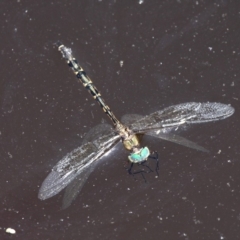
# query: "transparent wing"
[131,118]
[74,188]
[76,162]
[164,135]
[97,132]
[177,139]
[185,113]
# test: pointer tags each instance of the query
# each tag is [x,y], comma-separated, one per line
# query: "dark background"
[173,51]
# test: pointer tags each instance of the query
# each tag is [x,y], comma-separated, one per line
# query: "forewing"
[75,163]
[185,113]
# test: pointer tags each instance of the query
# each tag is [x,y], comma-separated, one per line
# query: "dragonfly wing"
[128,119]
[74,164]
[97,131]
[166,135]
[185,113]
[177,139]
[75,187]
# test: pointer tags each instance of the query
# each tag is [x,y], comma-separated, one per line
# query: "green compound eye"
[139,156]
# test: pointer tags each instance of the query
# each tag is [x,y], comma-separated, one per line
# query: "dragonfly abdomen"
[87,82]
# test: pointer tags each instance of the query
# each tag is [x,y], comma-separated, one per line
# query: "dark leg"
[154,156]
[133,173]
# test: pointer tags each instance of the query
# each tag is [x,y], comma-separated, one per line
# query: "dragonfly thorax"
[138,154]
[131,142]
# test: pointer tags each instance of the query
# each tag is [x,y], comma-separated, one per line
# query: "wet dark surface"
[173,52]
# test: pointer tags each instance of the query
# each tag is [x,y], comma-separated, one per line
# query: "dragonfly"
[77,165]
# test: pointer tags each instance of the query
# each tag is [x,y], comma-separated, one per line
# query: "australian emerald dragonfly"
[79,163]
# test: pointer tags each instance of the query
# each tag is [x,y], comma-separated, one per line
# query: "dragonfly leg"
[133,173]
[154,156]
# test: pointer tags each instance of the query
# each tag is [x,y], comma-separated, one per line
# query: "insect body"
[81,161]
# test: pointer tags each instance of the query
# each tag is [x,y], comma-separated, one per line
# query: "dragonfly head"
[139,155]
